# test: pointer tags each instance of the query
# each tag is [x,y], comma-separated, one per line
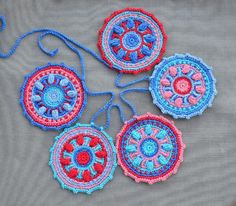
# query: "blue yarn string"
[132,107]
[60,35]
[108,115]
[2,23]
[55,51]
[45,32]
[119,77]
[104,107]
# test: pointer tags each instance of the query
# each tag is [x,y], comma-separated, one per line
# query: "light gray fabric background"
[203,28]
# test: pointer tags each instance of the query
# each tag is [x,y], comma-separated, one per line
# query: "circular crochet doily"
[83,158]
[132,40]
[150,148]
[182,86]
[53,96]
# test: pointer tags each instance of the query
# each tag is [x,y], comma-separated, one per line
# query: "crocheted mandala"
[53,96]
[132,40]
[182,86]
[150,148]
[83,158]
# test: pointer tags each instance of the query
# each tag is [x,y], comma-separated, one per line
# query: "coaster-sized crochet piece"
[83,158]
[53,96]
[150,148]
[132,40]
[182,86]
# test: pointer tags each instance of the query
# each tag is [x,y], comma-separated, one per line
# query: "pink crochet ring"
[150,148]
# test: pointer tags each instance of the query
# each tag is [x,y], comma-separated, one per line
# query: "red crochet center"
[126,71]
[168,124]
[28,93]
[83,158]
[182,85]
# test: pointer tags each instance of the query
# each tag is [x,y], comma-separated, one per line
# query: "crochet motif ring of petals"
[53,96]
[132,40]
[182,86]
[150,148]
[83,158]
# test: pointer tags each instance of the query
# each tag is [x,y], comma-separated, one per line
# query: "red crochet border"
[149,67]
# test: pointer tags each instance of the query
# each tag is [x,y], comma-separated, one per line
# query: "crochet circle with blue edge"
[182,86]
[150,148]
[83,158]
[53,96]
[132,40]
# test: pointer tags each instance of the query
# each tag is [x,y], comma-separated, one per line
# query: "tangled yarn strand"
[108,115]
[131,106]
[104,108]
[119,77]
[46,31]
[55,51]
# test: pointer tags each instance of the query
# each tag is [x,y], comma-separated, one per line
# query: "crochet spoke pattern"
[83,158]
[53,96]
[132,40]
[182,86]
[150,148]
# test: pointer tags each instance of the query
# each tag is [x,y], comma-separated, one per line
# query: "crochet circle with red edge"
[150,148]
[53,96]
[132,40]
